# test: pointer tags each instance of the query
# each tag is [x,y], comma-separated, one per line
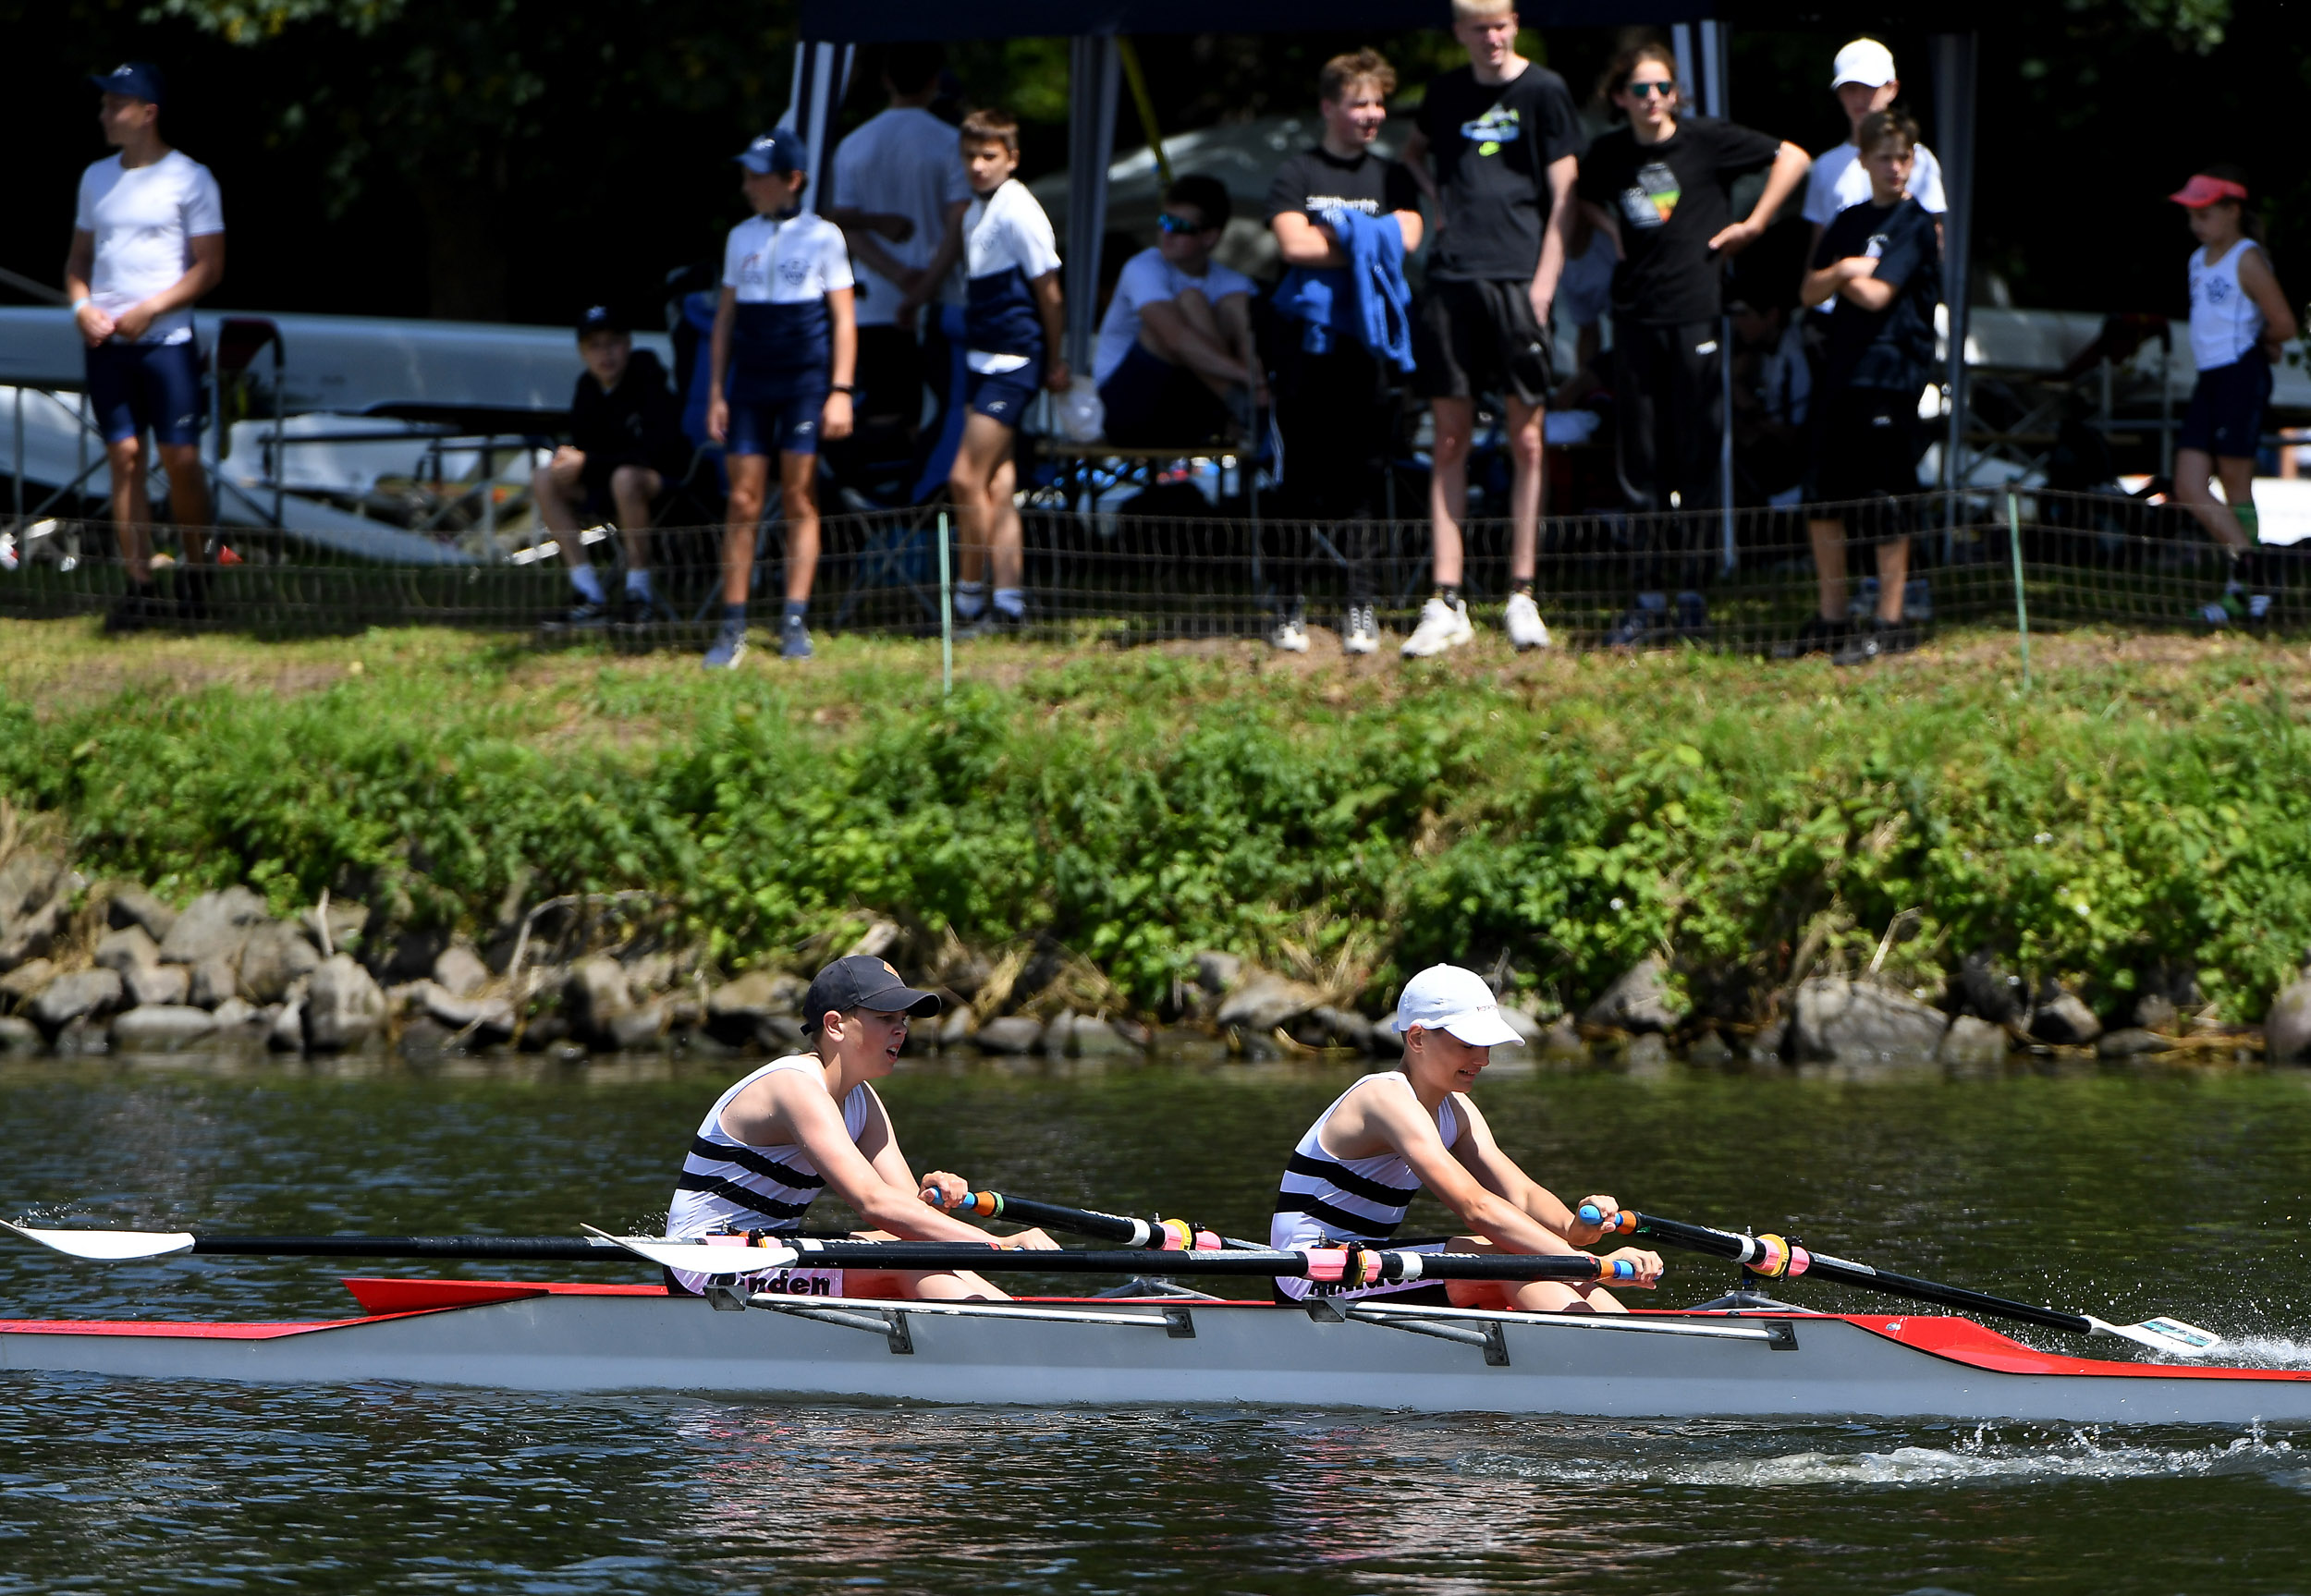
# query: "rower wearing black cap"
[811,1122]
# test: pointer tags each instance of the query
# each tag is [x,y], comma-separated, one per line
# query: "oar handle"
[1779,1259]
[1154,1235]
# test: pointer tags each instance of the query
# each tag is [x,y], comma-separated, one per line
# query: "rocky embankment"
[89,968]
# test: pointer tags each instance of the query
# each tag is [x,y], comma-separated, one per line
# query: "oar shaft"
[1154,1234]
[533,1248]
[1382,1265]
[1777,1259]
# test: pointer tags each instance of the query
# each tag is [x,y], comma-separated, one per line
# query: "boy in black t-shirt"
[1333,404]
[1662,187]
[1507,147]
[625,445]
[1879,266]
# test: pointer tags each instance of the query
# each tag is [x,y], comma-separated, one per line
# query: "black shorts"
[2226,415]
[593,478]
[1151,403]
[1473,338]
[1865,446]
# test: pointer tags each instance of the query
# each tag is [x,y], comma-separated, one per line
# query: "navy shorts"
[133,387]
[2226,414]
[1152,403]
[776,426]
[1003,396]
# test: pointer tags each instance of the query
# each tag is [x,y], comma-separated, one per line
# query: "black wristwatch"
[843,388]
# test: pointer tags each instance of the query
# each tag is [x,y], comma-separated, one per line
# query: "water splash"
[1981,1457]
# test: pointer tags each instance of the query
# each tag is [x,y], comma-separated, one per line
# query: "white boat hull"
[593,1339]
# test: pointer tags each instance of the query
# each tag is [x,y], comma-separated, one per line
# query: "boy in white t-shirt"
[147,241]
[1864,79]
[1175,348]
[1011,329]
[782,357]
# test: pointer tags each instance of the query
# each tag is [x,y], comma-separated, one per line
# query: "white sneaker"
[1442,626]
[1360,633]
[1289,635]
[1525,627]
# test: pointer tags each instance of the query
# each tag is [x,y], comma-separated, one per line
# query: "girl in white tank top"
[2225,323]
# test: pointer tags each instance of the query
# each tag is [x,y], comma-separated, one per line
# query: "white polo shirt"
[1149,279]
[1839,181]
[144,219]
[904,162]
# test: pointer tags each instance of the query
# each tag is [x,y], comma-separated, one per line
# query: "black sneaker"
[1642,624]
[642,610]
[585,613]
[1693,614]
[1874,638]
[1819,636]
[192,594]
[135,610]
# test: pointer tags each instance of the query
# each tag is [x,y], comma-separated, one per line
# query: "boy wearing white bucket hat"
[1385,1138]
[1864,79]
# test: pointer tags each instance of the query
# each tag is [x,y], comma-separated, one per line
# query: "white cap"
[1446,997]
[1865,61]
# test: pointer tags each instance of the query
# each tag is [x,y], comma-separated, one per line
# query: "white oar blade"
[2171,1336]
[104,1246]
[699,1257]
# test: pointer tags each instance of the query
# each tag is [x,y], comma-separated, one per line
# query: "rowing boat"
[1171,1350]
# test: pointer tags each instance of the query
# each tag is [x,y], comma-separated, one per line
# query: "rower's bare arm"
[1501,1174]
[880,1147]
[801,1112]
[1396,1120]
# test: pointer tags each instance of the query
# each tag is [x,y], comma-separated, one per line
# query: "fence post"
[2022,606]
[946,618]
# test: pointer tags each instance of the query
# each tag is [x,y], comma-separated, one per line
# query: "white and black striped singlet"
[1324,1199]
[727,1186]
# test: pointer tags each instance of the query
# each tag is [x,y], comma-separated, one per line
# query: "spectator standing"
[1334,409]
[1662,184]
[2240,327]
[1506,144]
[899,197]
[784,351]
[1879,266]
[1175,362]
[625,443]
[1864,79]
[1012,311]
[148,241]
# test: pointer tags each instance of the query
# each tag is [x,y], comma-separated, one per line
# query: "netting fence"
[2086,558]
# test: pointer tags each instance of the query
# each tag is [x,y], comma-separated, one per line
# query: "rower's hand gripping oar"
[1154,1235]
[1778,1259]
[1348,1267]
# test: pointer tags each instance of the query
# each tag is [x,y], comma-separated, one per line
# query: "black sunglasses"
[1172,224]
[1646,90]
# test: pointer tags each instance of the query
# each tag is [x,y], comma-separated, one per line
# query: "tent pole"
[1716,50]
[1094,74]
[1957,58]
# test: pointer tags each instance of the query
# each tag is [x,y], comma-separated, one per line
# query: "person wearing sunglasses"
[1175,363]
[1662,187]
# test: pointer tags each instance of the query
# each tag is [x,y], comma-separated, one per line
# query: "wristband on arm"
[80,302]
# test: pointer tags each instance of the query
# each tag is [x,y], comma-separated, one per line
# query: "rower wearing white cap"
[1863,79]
[811,1122]
[1356,1173]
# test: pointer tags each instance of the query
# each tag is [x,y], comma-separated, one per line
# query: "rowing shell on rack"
[1188,1350]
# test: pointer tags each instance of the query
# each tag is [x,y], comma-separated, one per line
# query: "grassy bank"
[2147,804]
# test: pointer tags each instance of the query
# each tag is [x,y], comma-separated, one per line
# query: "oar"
[1773,1257]
[129,1246]
[1343,1266]
[1154,1235]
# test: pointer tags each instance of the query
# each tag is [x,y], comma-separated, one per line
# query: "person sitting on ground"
[1335,407]
[147,241]
[1662,185]
[1013,321]
[811,1122]
[1358,1168]
[1864,82]
[2240,324]
[1175,363]
[1881,264]
[1506,144]
[784,350]
[625,444]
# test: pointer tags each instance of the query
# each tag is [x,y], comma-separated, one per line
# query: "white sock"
[636,584]
[970,598]
[588,581]
[1011,601]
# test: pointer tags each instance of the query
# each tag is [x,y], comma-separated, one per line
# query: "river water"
[2123,1194]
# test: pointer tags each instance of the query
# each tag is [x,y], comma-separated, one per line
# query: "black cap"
[601,319]
[864,981]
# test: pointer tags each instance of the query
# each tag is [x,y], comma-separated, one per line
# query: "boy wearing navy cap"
[811,1122]
[147,241]
[625,442]
[785,346]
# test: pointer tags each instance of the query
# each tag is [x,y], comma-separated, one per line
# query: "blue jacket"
[1368,296]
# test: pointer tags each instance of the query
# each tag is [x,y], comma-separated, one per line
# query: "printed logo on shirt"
[1652,201]
[2215,290]
[1316,202]
[796,271]
[1496,126]
[1876,248]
